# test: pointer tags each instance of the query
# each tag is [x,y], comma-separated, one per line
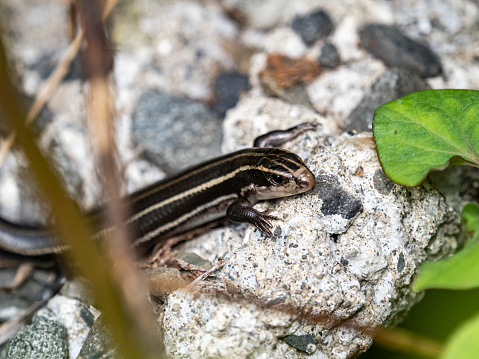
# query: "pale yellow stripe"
[182,219]
[194,190]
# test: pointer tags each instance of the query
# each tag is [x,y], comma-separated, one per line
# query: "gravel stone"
[77,317]
[228,88]
[391,85]
[304,343]
[44,339]
[329,56]
[98,343]
[286,77]
[174,131]
[397,50]
[312,27]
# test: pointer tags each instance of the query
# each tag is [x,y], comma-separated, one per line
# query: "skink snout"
[305,179]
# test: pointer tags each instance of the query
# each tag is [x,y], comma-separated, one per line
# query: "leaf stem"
[403,340]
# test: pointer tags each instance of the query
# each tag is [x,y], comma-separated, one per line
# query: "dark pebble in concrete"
[301,342]
[335,199]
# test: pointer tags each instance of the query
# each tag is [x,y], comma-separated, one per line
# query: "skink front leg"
[242,211]
[277,138]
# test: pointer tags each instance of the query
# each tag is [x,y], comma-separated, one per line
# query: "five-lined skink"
[226,186]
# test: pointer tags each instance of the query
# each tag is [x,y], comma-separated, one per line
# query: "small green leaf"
[461,271]
[463,342]
[427,131]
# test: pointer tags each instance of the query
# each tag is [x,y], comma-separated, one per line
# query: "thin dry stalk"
[98,62]
[52,83]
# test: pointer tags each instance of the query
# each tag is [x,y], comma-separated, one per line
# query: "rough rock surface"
[344,253]
[349,241]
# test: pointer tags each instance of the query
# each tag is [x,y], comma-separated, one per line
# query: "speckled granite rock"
[77,317]
[44,338]
[345,253]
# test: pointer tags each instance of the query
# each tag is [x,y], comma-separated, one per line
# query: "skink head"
[285,174]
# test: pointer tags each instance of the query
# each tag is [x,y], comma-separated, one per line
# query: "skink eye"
[277,179]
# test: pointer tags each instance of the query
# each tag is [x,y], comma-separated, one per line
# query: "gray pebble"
[228,87]
[42,339]
[174,131]
[312,27]
[329,56]
[391,85]
[397,50]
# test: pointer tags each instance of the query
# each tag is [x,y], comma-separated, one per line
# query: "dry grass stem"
[51,84]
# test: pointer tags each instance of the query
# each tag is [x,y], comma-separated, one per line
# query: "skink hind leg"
[277,138]
[242,211]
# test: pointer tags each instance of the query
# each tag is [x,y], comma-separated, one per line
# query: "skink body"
[226,186]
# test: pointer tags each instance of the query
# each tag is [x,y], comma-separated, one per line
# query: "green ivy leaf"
[461,271]
[463,343]
[427,131]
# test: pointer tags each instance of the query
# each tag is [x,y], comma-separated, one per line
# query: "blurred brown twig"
[73,229]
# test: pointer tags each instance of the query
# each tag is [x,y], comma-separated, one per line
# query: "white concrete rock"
[346,252]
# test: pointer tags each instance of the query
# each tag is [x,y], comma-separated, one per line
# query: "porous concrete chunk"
[267,114]
[340,264]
